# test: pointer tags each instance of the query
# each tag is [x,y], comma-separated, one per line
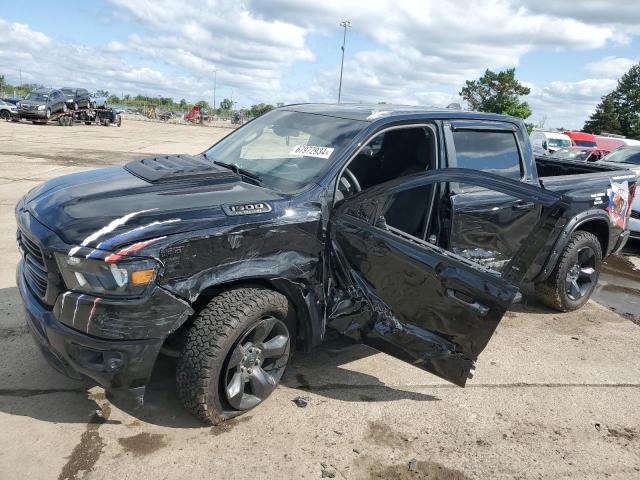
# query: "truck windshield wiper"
[241,171]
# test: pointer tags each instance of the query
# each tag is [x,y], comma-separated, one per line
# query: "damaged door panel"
[415,300]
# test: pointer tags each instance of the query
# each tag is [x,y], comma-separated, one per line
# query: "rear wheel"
[5,115]
[235,353]
[575,277]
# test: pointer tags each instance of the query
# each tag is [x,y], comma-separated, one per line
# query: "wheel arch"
[307,306]
[593,221]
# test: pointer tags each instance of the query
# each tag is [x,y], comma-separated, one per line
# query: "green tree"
[626,98]
[605,118]
[497,93]
[226,104]
[260,109]
[203,104]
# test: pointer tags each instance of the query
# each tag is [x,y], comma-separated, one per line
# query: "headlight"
[18,104]
[126,278]
[41,107]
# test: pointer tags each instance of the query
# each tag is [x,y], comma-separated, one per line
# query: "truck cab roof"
[373,112]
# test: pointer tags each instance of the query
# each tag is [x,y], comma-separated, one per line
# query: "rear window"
[585,143]
[492,152]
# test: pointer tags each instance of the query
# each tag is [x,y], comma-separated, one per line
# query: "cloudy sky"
[402,51]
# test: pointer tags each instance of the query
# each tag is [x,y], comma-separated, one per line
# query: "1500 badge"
[247,208]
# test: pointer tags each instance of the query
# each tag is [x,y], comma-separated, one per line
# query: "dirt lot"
[555,395]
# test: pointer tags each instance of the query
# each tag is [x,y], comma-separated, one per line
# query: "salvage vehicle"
[549,141]
[98,100]
[8,111]
[76,98]
[583,154]
[582,139]
[408,229]
[40,104]
[628,157]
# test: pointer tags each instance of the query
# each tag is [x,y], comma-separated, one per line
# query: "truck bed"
[575,176]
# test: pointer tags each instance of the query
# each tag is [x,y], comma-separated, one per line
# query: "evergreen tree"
[497,93]
[605,118]
[626,98]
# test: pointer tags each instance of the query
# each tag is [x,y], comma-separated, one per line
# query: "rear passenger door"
[487,226]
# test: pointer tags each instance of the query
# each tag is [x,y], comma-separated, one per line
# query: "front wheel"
[235,353]
[575,277]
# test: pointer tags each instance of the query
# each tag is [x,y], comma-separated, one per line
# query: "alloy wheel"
[581,276]
[256,363]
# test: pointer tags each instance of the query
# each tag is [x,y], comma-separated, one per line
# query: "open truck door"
[410,297]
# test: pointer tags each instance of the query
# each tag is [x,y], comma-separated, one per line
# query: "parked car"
[547,141]
[629,157]
[8,111]
[13,100]
[40,104]
[76,97]
[98,101]
[585,154]
[581,139]
[609,144]
[409,229]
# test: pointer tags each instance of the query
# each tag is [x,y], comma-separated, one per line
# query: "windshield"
[559,142]
[585,143]
[67,91]
[573,154]
[624,155]
[286,149]
[36,97]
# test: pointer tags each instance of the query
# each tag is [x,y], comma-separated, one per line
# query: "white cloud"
[406,51]
[567,104]
[611,66]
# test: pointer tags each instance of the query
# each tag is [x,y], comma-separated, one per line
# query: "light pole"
[344,24]
[215,81]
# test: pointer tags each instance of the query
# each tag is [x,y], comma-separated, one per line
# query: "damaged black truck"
[409,229]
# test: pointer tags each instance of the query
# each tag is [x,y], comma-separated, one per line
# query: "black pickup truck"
[411,230]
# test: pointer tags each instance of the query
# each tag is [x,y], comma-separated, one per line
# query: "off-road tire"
[552,292]
[215,331]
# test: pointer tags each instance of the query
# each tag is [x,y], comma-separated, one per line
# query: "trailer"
[88,116]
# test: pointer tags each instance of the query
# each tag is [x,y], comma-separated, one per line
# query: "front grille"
[35,270]
[635,214]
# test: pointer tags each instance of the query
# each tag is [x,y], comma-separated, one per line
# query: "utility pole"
[215,81]
[20,77]
[344,24]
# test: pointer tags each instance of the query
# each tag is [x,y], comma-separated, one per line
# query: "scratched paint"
[110,227]
[114,257]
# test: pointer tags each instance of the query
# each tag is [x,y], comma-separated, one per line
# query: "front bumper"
[123,366]
[37,114]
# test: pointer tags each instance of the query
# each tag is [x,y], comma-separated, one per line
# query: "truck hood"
[111,207]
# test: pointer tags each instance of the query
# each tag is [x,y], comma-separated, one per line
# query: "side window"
[493,152]
[407,211]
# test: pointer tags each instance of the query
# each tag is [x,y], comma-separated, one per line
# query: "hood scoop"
[180,168]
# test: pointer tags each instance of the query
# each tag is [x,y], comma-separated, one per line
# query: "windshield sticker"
[311,151]
[618,203]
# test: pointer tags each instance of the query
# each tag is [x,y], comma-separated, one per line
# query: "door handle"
[523,206]
[480,309]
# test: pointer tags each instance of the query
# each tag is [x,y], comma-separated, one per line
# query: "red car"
[581,139]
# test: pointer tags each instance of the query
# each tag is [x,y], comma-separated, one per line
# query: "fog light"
[113,361]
